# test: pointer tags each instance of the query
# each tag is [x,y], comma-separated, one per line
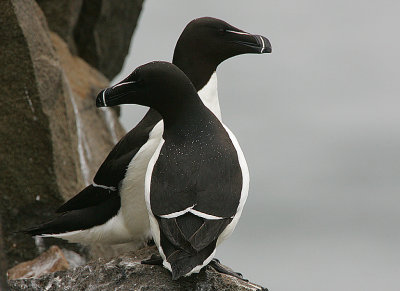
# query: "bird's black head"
[159,85]
[206,42]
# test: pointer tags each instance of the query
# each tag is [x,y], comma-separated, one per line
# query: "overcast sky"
[319,123]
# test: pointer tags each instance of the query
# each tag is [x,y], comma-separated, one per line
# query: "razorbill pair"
[113,208]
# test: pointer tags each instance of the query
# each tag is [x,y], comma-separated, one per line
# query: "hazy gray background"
[319,123]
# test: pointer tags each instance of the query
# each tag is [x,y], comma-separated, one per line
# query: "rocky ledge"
[125,272]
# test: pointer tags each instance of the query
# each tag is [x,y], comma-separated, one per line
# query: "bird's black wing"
[79,219]
[90,196]
[194,196]
[114,167]
[188,240]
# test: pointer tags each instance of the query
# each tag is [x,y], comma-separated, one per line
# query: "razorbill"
[197,180]
[112,209]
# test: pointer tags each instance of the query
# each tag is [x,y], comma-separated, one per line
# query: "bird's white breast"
[209,96]
[133,205]
[245,188]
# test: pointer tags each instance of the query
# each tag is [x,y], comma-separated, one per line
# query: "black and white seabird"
[112,209]
[197,180]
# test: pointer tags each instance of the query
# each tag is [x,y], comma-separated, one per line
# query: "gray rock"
[99,31]
[62,16]
[49,261]
[95,131]
[126,273]
[52,137]
[3,268]
[103,33]
[26,147]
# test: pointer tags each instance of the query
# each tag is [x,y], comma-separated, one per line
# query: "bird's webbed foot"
[217,266]
[154,260]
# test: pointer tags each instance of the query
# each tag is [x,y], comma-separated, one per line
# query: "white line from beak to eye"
[238,32]
[104,97]
[263,44]
[113,87]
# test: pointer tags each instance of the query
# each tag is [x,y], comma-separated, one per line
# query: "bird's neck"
[202,73]
[209,95]
[199,69]
[186,118]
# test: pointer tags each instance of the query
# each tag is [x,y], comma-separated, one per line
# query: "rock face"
[52,137]
[99,31]
[62,16]
[96,130]
[126,273]
[103,33]
[28,185]
[3,279]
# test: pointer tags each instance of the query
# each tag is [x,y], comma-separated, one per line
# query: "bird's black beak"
[120,93]
[251,42]
[264,44]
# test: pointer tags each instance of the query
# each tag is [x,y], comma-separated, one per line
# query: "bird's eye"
[221,30]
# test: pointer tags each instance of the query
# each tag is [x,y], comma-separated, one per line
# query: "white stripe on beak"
[263,44]
[104,97]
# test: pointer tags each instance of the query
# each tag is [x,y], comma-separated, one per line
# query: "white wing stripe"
[205,215]
[178,213]
[191,210]
[104,187]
